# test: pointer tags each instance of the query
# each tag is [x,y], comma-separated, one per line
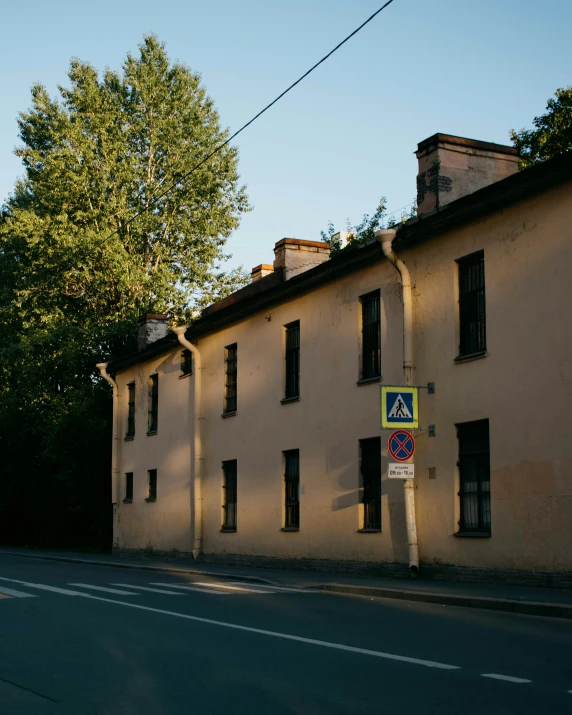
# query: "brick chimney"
[260,271]
[451,167]
[296,256]
[151,327]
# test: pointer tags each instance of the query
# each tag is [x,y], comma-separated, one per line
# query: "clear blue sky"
[346,136]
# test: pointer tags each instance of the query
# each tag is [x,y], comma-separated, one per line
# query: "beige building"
[265,444]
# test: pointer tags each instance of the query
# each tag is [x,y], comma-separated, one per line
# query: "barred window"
[472,314]
[229,503]
[128,487]
[292,489]
[230,378]
[153,413]
[152,495]
[474,474]
[371,336]
[130,410]
[186,362]
[370,467]
[292,360]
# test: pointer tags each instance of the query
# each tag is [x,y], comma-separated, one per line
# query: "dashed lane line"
[44,587]
[7,592]
[107,590]
[508,678]
[146,588]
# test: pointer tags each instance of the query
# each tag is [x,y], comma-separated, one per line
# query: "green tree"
[358,234]
[106,149]
[553,133]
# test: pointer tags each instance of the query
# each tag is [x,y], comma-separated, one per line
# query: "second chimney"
[296,256]
[151,327]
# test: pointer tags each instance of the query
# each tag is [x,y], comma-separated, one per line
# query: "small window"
[474,477]
[153,403]
[292,360]
[229,470]
[130,433]
[292,489]
[128,487]
[371,336]
[186,362]
[370,467]
[472,315]
[152,485]
[230,378]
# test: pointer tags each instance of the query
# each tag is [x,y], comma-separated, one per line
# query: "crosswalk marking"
[43,587]
[192,588]
[107,590]
[274,588]
[232,588]
[146,588]
[16,594]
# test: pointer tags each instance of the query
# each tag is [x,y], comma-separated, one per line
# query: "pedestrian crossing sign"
[399,407]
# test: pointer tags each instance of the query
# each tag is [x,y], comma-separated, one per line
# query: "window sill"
[129,439]
[369,380]
[187,374]
[228,414]
[471,356]
[287,400]
[128,501]
[290,528]
[151,433]
[369,531]
[150,498]
[228,531]
[473,534]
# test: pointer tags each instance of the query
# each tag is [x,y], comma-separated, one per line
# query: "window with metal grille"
[292,360]
[186,362]
[475,478]
[371,336]
[230,377]
[152,485]
[229,471]
[472,315]
[153,414]
[130,410]
[128,487]
[292,489]
[370,467]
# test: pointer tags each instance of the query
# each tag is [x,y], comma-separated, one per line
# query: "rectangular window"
[370,467]
[186,362]
[371,336]
[292,360]
[472,315]
[230,378]
[128,487]
[152,485]
[229,470]
[292,489]
[130,410]
[153,403]
[475,477]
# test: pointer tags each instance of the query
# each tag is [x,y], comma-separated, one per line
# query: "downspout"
[196,476]
[102,367]
[385,238]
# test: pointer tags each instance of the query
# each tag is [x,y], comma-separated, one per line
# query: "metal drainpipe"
[196,464]
[385,237]
[102,367]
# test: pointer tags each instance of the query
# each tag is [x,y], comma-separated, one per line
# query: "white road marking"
[275,588]
[509,678]
[16,594]
[283,636]
[192,588]
[108,590]
[43,587]
[231,588]
[146,588]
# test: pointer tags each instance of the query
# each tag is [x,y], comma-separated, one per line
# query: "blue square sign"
[399,407]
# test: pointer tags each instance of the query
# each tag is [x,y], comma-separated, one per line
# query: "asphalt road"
[71,645]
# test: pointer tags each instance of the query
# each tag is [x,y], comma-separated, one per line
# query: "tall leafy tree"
[108,148]
[553,133]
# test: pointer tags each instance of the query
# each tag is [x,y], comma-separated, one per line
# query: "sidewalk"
[556,603]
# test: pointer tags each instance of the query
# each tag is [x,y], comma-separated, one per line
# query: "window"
[229,495]
[370,467]
[230,378]
[475,479]
[292,489]
[472,317]
[186,362]
[371,336]
[130,433]
[128,487]
[153,404]
[292,361]
[152,485]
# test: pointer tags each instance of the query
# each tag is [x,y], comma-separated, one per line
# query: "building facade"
[281,456]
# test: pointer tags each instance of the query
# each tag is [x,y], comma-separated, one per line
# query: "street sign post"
[395,470]
[399,407]
[401,445]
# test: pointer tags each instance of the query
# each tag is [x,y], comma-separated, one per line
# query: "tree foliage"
[553,133]
[361,233]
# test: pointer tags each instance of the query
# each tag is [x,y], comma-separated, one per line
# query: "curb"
[529,608]
[140,567]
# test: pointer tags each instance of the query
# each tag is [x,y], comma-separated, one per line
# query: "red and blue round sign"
[401,445]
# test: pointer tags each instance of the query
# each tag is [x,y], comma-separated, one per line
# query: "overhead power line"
[171,187]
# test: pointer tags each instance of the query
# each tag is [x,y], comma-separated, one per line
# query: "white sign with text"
[400,470]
